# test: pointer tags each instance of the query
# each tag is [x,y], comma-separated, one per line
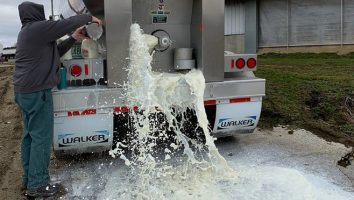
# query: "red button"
[75,70]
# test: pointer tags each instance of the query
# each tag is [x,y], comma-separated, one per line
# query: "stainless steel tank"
[96,7]
[197,24]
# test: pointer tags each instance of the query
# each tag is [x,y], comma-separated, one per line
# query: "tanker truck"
[91,113]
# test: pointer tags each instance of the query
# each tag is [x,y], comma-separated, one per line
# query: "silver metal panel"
[198,24]
[234,17]
[118,15]
[207,38]
[196,32]
[74,99]
[180,11]
[177,26]
[213,40]
[180,35]
[248,87]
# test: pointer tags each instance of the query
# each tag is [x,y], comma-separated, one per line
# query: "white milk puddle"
[182,168]
[254,183]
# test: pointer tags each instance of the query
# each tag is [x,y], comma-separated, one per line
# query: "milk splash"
[160,170]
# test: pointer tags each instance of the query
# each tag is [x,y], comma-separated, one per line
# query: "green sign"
[76,51]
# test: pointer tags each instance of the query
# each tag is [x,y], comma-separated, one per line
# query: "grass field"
[311,91]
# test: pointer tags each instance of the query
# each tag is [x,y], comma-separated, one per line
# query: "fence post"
[341,23]
[288,25]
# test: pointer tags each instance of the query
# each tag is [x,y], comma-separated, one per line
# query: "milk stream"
[166,161]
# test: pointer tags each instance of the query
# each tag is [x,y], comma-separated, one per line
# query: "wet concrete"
[267,152]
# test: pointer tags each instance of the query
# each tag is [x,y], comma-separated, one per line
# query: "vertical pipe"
[52,7]
[341,23]
[288,25]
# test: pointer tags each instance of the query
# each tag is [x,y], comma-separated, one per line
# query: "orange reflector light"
[210,102]
[124,109]
[240,100]
[89,112]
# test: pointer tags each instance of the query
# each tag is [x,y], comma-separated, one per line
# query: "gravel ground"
[10,135]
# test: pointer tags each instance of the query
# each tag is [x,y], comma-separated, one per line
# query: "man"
[37,64]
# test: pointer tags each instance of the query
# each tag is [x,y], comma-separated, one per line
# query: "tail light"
[240,63]
[75,70]
[251,63]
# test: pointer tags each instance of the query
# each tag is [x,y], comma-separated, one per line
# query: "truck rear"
[92,113]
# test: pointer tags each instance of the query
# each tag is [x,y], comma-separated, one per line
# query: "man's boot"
[44,191]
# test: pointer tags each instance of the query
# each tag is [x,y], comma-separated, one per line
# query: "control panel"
[85,72]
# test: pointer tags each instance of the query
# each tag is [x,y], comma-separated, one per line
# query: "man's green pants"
[38,124]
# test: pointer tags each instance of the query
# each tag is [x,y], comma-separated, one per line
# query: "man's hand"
[96,20]
[79,34]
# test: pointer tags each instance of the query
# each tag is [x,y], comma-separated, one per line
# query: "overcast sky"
[10,23]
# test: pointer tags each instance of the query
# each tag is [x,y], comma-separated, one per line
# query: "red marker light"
[124,109]
[232,63]
[240,63]
[86,69]
[136,108]
[251,63]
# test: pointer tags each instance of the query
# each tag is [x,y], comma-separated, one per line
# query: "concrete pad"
[270,164]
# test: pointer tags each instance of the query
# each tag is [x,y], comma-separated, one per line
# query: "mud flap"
[236,118]
[84,133]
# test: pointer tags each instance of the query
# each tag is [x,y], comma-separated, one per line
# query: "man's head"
[31,12]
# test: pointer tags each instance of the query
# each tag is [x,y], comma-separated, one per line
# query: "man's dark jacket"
[37,53]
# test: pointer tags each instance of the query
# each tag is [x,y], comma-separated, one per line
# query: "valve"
[164,40]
